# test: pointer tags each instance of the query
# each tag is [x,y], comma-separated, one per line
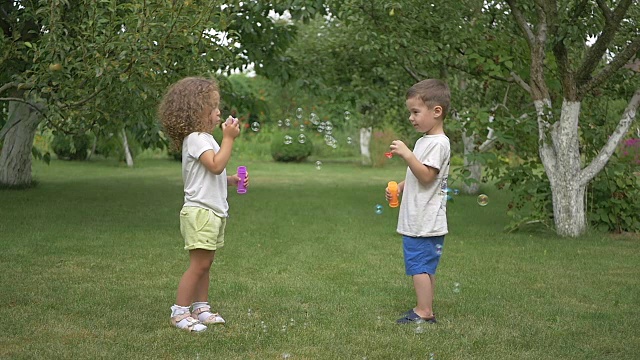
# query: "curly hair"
[183,108]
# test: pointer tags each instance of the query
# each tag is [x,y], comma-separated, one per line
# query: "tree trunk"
[471,164]
[19,131]
[568,206]
[561,160]
[127,151]
[365,139]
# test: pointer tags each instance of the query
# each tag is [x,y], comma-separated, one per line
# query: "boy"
[423,212]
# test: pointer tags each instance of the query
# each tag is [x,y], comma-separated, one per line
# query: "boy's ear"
[437,111]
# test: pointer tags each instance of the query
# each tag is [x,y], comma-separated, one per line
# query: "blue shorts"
[422,254]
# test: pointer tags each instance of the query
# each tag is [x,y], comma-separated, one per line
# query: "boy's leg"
[424,285]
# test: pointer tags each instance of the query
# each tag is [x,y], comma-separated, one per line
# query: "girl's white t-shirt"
[202,188]
[423,210]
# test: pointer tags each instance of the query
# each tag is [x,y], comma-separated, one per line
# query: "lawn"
[91,258]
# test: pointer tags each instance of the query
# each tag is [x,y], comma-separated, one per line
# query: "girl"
[189,113]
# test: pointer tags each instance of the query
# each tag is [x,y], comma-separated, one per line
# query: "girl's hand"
[235,179]
[231,129]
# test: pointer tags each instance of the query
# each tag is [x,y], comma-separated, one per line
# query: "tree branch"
[607,150]
[620,60]
[25,102]
[518,80]
[597,50]
[605,10]
[411,73]
[522,22]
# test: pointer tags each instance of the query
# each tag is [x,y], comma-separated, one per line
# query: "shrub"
[613,198]
[289,149]
[379,145]
[630,151]
[71,147]
[111,146]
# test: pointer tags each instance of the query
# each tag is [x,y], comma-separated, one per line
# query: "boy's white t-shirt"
[423,210]
[202,188]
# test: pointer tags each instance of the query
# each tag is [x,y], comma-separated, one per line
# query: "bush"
[111,146]
[285,147]
[613,198]
[71,147]
[630,151]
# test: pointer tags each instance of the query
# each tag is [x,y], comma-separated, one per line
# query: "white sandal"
[191,322]
[213,319]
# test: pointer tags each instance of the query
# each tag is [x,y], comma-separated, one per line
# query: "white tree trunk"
[365,139]
[471,164]
[18,134]
[127,151]
[561,160]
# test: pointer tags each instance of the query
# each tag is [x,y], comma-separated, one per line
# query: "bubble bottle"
[393,189]
[242,175]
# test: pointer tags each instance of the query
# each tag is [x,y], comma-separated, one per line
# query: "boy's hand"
[387,193]
[399,148]
[231,129]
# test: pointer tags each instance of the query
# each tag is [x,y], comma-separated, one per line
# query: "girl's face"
[212,112]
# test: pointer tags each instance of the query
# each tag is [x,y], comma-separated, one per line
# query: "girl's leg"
[202,287]
[194,284]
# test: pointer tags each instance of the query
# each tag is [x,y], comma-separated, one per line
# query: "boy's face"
[213,112]
[422,118]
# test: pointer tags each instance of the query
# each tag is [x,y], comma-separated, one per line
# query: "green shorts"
[201,228]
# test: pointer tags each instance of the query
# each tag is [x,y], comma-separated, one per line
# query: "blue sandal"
[411,316]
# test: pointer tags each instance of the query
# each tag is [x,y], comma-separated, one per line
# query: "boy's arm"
[425,174]
[217,162]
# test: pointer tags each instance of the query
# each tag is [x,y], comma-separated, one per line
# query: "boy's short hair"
[433,92]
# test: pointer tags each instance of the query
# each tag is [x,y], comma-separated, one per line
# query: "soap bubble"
[255,126]
[456,288]
[379,209]
[302,138]
[328,126]
[349,140]
[483,200]
[439,249]
[318,164]
[249,312]
[449,197]
[347,115]
[456,192]
[287,140]
[299,113]
[279,123]
[302,127]
[287,122]
[286,355]
[314,119]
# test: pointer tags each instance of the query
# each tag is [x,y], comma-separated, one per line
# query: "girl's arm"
[217,162]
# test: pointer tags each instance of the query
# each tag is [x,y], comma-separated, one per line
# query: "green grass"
[92,256]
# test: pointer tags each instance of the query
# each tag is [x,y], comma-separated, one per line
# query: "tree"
[557,32]
[76,66]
